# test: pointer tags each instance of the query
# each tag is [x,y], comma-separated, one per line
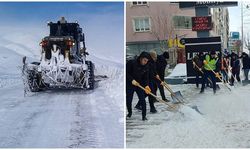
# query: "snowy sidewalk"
[225,122]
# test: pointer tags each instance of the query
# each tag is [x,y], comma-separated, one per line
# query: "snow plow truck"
[63,61]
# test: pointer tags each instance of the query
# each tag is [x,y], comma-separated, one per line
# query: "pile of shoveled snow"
[179,71]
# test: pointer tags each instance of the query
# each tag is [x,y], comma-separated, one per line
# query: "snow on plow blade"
[40,76]
[63,61]
[73,75]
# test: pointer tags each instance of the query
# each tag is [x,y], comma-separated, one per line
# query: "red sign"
[201,23]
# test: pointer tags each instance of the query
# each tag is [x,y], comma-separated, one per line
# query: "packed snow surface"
[59,118]
[224,121]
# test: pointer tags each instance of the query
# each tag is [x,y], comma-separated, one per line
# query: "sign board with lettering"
[207,4]
[235,35]
[195,45]
[201,23]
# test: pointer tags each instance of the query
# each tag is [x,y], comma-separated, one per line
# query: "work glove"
[217,75]
[135,83]
[205,62]
[147,90]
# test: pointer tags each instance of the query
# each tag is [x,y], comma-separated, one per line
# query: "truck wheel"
[91,78]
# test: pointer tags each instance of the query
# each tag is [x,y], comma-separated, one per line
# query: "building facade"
[156,26]
[220,19]
[159,26]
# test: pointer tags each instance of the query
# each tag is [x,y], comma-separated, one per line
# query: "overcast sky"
[102,23]
[235,18]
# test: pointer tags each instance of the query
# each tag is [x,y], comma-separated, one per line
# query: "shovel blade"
[177,97]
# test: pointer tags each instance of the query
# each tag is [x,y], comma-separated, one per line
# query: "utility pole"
[242,40]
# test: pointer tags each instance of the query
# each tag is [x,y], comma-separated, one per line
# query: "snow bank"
[178,71]
[114,85]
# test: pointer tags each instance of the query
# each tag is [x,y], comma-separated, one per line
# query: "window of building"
[136,3]
[141,24]
[182,22]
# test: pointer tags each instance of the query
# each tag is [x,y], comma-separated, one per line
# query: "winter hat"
[144,55]
[166,55]
[153,54]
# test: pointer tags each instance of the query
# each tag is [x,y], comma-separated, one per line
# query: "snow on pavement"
[63,118]
[224,122]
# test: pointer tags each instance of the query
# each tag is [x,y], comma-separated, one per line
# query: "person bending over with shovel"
[209,70]
[137,73]
[152,82]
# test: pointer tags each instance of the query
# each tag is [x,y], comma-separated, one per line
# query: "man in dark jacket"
[137,73]
[161,64]
[246,64]
[235,64]
[152,81]
[197,65]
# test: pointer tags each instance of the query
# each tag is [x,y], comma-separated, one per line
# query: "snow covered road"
[63,118]
[224,122]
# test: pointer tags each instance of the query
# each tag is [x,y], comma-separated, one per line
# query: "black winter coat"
[138,72]
[152,70]
[245,61]
[161,64]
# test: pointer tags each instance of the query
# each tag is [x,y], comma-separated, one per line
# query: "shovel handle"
[164,85]
[201,71]
[169,89]
[218,77]
[160,100]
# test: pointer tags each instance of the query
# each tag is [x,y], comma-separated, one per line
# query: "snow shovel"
[217,86]
[176,96]
[230,69]
[158,99]
[219,78]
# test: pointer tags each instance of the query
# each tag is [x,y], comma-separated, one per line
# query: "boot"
[129,115]
[202,91]
[197,85]
[144,118]
[138,107]
[166,100]
[153,111]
